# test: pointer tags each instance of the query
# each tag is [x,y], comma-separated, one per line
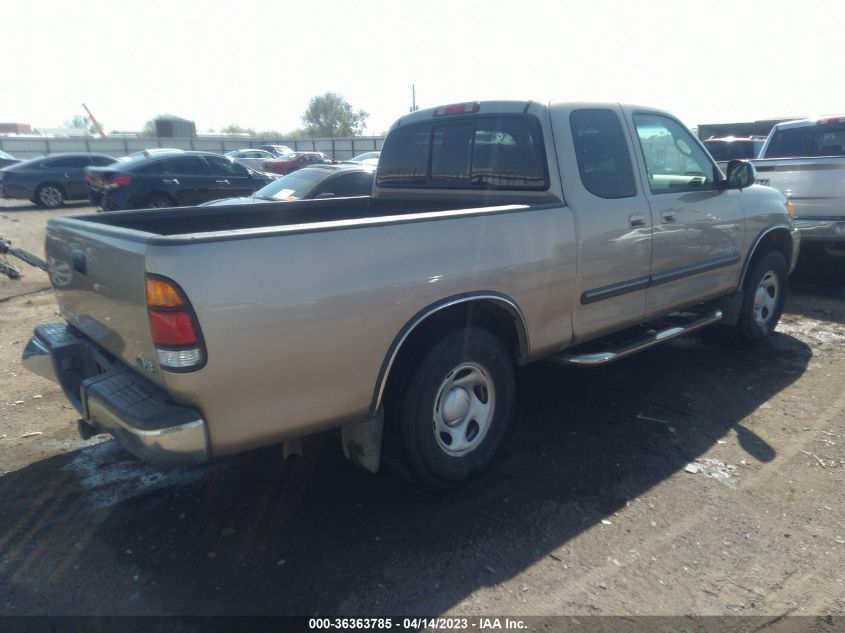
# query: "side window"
[604,162]
[183,165]
[156,167]
[68,162]
[674,161]
[223,166]
[358,184]
[102,161]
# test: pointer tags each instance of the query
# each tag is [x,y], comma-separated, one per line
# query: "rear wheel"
[455,408]
[763,297]
[49,196]
[158,202]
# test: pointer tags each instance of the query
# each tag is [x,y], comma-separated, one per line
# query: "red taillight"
[173,328]
[120,180]
[458,108]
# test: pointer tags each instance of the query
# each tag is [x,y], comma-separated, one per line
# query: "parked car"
[728,148]
[171,179]
[149,152]
[50,181]
[295,161]
[318,181]
[497,234]
[7,159]
[277,150]
[367,158]
[805,160]
[252,158]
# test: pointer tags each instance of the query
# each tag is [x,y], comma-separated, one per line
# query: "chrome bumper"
[821,229]
[118,401]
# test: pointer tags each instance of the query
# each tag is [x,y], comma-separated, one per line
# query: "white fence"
[34,147]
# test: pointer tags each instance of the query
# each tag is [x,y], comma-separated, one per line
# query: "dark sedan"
[7,159]
[50,181]
[319,181]
[171,179]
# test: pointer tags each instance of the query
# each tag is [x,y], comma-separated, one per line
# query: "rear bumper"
[821,229]
[11,191]
[115,399]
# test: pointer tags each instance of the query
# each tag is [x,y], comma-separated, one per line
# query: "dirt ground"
[691,479]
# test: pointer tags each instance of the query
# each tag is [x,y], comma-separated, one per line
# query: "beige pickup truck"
[497,234]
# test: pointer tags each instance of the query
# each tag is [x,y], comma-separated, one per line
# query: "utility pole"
[414,106]
[96,123]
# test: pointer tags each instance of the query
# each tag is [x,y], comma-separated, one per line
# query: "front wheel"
[763,298]
[455,408]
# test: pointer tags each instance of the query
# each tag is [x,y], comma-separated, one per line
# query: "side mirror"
[740,174]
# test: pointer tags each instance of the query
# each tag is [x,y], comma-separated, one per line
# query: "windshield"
[366,156]
[821,139]
[294,186]
[729,150]
[5,155]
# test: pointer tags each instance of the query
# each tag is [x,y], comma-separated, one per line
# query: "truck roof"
[508,107]
[809,122]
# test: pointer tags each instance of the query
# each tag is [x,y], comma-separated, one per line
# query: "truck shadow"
[22,205]
[817,287]
[258,535]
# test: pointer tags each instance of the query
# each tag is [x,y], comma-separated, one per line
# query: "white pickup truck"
[805,160]
[498,233]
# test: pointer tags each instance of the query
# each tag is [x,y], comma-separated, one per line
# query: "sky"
[258,63]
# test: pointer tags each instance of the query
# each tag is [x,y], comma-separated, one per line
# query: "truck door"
[699,229]
[613,220]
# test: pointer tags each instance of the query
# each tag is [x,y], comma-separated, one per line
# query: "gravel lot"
[691,479]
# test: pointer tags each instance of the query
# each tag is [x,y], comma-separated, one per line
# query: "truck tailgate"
[816,186]
[98,276]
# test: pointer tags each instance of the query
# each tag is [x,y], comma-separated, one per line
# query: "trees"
[330,115]
[233,129]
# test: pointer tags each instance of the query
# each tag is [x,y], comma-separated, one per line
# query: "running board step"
[637,339]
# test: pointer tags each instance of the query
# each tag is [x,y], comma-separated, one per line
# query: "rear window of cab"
[480,152]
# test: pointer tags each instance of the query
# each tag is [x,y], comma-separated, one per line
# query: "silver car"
[252,158]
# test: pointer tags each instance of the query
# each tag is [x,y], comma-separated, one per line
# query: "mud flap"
[362,441]
[730,307]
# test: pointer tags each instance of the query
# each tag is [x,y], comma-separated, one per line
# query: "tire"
[763,298]
[158,201]
[454,409]
[49,196]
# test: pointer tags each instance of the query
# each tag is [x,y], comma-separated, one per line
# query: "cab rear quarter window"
[475,152]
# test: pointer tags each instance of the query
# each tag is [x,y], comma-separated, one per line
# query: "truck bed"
[193,220]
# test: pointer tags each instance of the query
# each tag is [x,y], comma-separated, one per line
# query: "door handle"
[170,181]
[667,217]
[636,220]
[222,182]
